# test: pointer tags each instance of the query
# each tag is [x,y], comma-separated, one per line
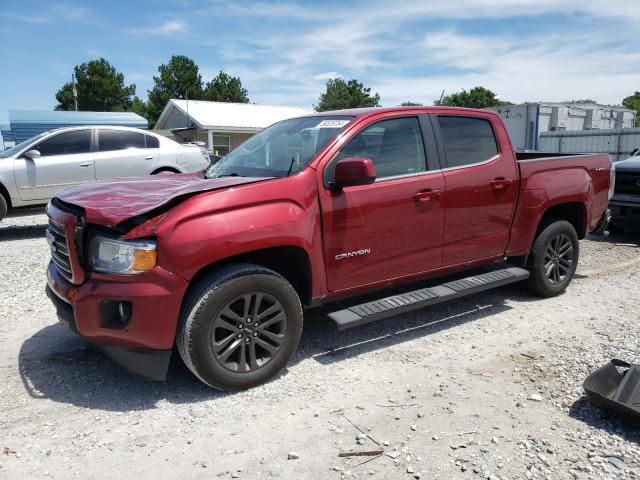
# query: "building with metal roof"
[222,126]
[25,124]
[8,140]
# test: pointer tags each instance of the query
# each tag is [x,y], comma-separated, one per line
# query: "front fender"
[212,227]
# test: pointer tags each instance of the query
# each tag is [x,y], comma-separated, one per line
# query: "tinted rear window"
[68,143]
[109,140]
[467,140]
[152,142]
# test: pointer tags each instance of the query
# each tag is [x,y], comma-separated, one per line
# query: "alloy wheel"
[558,259]
[248,332]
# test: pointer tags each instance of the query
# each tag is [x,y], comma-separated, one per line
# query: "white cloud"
[594,54]
[327,76]
[553,68]
[169,28]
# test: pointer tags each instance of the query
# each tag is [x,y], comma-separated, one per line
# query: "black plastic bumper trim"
[151,364]
[64,311]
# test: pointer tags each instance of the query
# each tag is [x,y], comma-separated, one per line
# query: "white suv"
[32,171]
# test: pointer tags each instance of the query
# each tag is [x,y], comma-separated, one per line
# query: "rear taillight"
[612,179]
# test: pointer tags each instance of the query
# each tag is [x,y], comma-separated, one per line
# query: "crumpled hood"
[111,202]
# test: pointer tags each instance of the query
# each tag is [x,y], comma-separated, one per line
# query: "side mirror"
[353,171]
[32,154]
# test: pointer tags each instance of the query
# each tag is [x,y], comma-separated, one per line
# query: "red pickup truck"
[313,209]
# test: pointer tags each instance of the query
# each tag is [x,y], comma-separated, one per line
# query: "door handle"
[150,157]
[86,164]
[426,195]
[500,183]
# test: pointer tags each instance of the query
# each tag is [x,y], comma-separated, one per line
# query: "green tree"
[633,102]
[100,86]
[585,100]
[180,78]
[140,107]
[225,88]
[410,104]
[477,97]
[352,94]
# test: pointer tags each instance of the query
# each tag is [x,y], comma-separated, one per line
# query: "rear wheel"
[164,170]
[239,326]
[553,259]
[3,207]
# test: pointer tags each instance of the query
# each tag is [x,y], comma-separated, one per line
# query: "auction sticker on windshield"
[332,123]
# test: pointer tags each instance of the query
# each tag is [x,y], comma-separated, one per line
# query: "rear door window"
[67,143]
[467,140]
[109,140]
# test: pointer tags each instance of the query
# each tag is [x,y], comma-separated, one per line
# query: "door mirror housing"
[32,154]
[353,171]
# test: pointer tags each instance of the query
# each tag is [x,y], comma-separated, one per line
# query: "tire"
[216,342]
[3,207]
[553,258]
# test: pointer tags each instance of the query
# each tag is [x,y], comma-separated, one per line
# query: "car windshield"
[280,150]
[9,152]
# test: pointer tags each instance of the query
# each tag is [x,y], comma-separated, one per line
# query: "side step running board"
[424,297]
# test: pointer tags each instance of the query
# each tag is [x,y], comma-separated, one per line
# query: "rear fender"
[543,191]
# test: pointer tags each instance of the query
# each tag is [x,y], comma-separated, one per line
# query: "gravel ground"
[485,387]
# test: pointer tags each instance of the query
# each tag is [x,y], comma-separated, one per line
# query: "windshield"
[280,150]
[9,152]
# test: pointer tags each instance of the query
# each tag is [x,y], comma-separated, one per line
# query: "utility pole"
[75,91]
[186,96]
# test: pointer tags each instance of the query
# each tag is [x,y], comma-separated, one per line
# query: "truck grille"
[57,239]
[628,183]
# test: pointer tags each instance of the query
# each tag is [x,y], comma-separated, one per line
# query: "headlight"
[110,255]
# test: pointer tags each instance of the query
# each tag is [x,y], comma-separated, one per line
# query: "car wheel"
[164,170]
[239,326]
[3,207]
[553,259]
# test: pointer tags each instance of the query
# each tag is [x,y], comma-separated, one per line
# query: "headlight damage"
[112,255]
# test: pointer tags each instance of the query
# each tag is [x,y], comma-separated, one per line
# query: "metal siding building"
[25,124]
[8,139]
[619,142]
[526,122]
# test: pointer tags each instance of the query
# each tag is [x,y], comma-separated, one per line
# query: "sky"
[284,51]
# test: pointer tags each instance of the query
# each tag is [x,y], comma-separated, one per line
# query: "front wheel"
[553,259]
[239,326]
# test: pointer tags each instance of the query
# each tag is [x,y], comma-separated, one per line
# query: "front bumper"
[625,212]
[144,345]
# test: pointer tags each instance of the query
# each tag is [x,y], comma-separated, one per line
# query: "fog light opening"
[115,313]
